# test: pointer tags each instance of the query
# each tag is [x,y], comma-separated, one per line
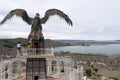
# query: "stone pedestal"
[36,69]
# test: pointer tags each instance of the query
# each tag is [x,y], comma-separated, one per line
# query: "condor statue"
[36,27]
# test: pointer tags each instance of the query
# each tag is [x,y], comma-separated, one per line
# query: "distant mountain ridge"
[98,41]
[68,41]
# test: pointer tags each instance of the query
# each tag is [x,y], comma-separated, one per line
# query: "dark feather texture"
[36,27]
[20,13]
[52,12]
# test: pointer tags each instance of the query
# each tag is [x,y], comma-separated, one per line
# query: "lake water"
[94,49]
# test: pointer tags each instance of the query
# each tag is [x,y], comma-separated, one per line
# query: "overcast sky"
[92,19]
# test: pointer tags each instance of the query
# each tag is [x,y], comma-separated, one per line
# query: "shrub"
[113,78]
[88,72]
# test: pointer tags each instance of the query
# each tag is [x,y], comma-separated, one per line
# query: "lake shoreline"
[109,49]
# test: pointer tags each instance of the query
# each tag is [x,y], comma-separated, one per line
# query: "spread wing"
[52,12]
[20,13]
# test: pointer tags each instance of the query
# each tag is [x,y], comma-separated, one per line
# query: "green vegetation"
[8,46]
[88,72]
[113,78]
[10,43]
[93,74]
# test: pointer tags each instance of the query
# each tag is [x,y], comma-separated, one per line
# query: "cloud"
[92,19]
[12,34]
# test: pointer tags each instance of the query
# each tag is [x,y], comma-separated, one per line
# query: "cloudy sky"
[92,19]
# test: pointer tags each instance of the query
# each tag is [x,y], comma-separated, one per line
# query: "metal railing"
[36,52]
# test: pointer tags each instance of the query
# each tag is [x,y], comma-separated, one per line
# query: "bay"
[92,49]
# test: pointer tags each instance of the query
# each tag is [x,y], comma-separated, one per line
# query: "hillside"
[8,46]
[10,43]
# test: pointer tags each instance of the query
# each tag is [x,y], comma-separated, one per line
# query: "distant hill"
[88,42]
[52,43]
[10,43]
[8,46]
[68,41]
[95,41]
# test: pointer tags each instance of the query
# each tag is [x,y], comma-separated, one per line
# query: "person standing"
[18,48]
[28,48]
[35,46]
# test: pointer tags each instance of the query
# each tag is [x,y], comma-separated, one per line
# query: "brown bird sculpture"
[36,27]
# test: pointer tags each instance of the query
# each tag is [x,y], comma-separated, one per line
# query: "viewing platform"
[36,53]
